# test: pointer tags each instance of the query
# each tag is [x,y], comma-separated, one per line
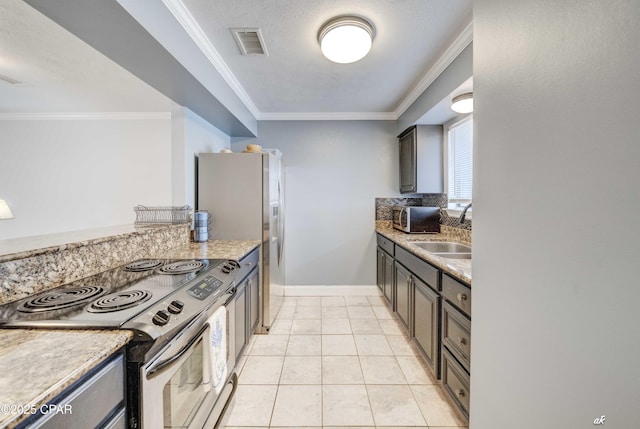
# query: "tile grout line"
[322,377]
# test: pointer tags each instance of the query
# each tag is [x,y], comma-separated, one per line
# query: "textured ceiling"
[60,72]
[411,35]
[64,74]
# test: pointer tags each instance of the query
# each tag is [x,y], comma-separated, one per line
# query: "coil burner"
[143,265]
[181,267]
[119,301]
[55,300]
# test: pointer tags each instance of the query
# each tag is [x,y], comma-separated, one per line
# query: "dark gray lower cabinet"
[424,304]
[388,280]
[247,301]
[384,275]
[435,308]
[385,271]
[241,318]
[456,334]
[254,300]
[403,294]
[456,341]
[247,306]
[455,381]
[425,323]
[96,401]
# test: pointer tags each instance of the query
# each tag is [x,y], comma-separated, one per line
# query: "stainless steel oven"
[180,370]
[177,385]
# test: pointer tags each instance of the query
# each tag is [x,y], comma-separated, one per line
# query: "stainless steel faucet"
[464,213]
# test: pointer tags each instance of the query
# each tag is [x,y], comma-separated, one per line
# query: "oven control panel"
[181,306]
[203,289]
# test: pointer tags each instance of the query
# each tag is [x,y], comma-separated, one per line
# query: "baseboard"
[332,290]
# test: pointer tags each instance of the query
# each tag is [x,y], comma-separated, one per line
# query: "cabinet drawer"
[457,294]
[90,402]
[248,263]
[456,382]
[386,244]
[420,268]
[456,334]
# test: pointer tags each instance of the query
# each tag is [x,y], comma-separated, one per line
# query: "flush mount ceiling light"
[346,39]
[462,103]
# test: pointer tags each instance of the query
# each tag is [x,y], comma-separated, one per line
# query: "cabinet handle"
[461,297]
[461,341]
[460,393]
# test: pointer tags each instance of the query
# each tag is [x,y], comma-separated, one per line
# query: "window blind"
[461,161]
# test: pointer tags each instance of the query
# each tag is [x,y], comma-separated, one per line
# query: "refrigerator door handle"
[280,224]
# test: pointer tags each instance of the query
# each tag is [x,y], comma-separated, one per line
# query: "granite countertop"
[459,268]
[26,247]
[38,365]
[213,249]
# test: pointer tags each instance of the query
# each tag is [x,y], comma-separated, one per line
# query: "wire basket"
[149,216]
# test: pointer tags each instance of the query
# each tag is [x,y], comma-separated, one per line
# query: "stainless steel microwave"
[416,219]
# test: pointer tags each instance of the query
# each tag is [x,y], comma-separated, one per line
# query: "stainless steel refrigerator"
[243,193]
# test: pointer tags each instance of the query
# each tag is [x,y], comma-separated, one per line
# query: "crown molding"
[57,116]
[459,44]
[190,25]
[328,116]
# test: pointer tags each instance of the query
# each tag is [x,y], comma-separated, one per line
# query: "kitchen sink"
[442,247]
[454,255]
[445,249]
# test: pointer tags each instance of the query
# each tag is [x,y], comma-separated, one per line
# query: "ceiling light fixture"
[5,211]
[462,103]
[346,39]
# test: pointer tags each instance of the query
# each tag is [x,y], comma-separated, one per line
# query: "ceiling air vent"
[249,41]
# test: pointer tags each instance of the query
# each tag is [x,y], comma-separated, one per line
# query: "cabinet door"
[408,173]
[241,318]
[254,299]
[380,269]
[403,281]
[425,317]
[388,279]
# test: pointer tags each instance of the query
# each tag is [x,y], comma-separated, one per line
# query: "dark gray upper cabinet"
[421,170]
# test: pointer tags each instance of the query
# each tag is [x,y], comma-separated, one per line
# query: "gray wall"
[556,202]
[190,135]
[333,172]
[451,78]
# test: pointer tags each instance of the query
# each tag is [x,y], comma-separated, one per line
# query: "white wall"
[334,170]
[64,175]
[556,207]
[191,135]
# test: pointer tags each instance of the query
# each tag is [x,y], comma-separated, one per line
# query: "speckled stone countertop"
[459,268]
[27,269]
[214,249]
[37,365]
[26,247]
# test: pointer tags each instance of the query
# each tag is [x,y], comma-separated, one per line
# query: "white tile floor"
[337,362]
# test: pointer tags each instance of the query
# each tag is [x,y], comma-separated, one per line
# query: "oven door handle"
[155,370]
[231,295]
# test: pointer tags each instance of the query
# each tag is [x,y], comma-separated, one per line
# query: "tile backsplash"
[383,208]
